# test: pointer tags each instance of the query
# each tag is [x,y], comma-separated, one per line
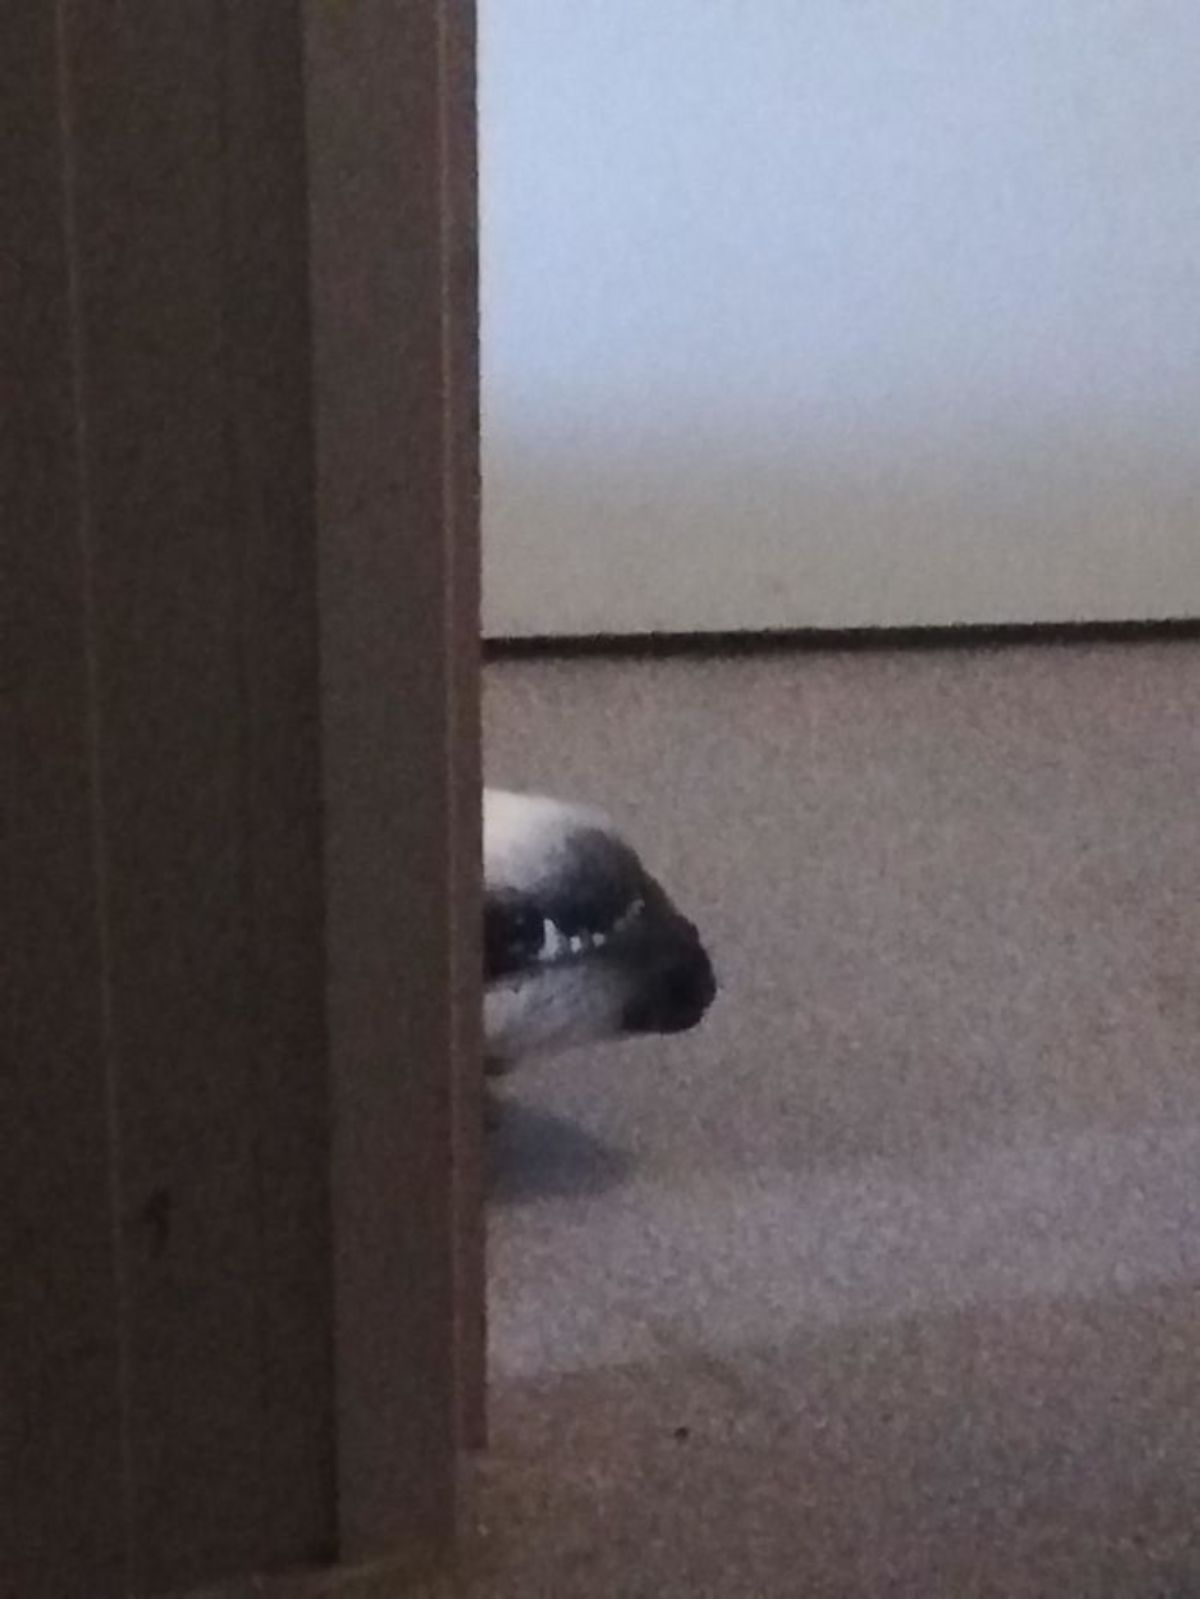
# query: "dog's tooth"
[631,914]
[599,940]
[553,942]
[575,943]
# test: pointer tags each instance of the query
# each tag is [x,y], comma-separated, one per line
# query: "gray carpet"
[885,1281]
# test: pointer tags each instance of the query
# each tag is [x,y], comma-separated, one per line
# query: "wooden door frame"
[242,1218]
[390,94]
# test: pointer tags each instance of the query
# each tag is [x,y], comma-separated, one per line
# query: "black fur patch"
[594,887]
[512,933]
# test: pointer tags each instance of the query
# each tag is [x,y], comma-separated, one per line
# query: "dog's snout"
[688,990]
[678,987]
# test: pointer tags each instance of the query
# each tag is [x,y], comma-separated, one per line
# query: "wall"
[839,313]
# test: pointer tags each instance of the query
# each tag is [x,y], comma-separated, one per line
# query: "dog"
[581,943]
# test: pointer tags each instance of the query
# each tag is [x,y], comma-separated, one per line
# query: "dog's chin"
[534,1050]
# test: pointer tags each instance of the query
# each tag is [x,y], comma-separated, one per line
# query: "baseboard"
[965,636]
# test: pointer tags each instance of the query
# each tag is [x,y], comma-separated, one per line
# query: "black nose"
[676,989]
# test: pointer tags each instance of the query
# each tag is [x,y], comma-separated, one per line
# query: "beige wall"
[839,315]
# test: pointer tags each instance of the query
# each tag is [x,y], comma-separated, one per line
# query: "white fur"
[523,832]
[542,1013]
